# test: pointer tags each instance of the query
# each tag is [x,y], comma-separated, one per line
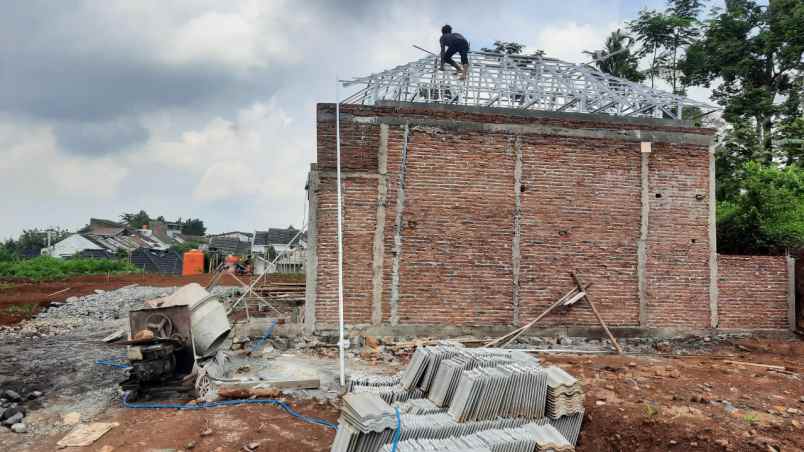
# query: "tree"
[31,241]
[617,59]
[510,48]
[135,220]
[756,52]
[193,227]
[651,29]
[767,215]
[664,36]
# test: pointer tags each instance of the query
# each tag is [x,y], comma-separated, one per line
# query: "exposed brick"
[753,292]
[580,210]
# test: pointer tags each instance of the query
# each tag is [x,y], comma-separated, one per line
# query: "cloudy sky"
[206,108]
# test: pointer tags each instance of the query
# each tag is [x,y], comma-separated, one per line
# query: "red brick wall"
[458,226]
[678,237]
[360,199]
[580,209]
[753,292]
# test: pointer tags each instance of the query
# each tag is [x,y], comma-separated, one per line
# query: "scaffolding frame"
[521,82]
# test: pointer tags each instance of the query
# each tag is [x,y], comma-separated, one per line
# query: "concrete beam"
[642,244]
[516,258]
[791,293]
[379,228]
[714,291]
[400,207]
[311,263]
[492,331]
[656,136]
[518,112]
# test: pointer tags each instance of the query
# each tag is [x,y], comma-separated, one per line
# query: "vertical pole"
[340,235]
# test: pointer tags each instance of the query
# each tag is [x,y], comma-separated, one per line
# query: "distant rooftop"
[525,82]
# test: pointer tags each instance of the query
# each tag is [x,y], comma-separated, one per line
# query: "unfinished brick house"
[468,216]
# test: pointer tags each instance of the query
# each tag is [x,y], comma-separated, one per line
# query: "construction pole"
[341,344]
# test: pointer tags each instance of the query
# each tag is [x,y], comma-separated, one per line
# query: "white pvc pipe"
[341,343]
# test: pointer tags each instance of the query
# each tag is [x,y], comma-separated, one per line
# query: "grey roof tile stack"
[372,380]
[564,393]
[390,394]
[569,426]
[511,390]
[526,438]
[418,406]
[477,400]
[367,412]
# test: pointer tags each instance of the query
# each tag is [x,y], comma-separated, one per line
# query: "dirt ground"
[23,299]
[633,403]
[215,429]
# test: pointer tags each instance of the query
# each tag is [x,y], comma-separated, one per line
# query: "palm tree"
[617,59]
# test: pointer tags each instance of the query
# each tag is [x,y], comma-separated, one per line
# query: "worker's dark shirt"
[454,41]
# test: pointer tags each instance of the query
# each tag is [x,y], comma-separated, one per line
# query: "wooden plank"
[765,366]
[579,282]
[299,382]
[86,434]
[510,337]
[58,292]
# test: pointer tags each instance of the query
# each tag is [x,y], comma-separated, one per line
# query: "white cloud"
[568,40]
[32,163]
[253,35]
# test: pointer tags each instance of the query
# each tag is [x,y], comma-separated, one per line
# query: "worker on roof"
[452,43]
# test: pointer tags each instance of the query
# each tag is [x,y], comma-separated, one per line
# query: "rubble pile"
[13,410]
[89,311]
[466,399]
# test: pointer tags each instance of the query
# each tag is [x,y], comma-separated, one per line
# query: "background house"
[288,245]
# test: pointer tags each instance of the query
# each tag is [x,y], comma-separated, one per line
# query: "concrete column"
[791,293]
[400,207]
[379,228]
[713,272]
[516,258]
[311,263]
[642,245]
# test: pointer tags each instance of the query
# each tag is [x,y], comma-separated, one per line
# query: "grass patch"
[48,268]
[6,286]
[650,410]
[23,310]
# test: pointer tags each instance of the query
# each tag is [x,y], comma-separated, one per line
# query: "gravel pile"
[107,308]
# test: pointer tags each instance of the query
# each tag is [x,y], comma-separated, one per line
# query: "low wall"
[753,292]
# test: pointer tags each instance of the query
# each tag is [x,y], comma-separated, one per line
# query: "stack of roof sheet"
[425,363]
[367,412]
[527,438]
[511,390]
[564,393]
[418,406]
[414,427]
[390,394]
[361,414]
[569,426]
[372,380]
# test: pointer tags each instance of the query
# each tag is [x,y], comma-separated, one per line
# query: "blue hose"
[261,341]
[397,432]
[198,406]
[113,362]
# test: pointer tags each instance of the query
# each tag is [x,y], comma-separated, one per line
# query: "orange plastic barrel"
[193,263]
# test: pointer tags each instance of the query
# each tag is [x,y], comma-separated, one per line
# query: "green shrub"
[46,268]
[765,215]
